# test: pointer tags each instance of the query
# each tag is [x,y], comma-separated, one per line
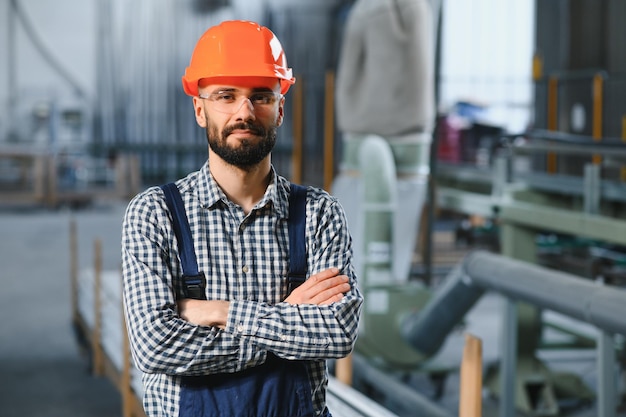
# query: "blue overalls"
[278,387]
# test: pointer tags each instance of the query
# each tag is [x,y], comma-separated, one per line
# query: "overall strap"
[194,282]
[297,242]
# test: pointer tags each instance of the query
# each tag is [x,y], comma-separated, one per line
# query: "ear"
[281,112]
[198,109]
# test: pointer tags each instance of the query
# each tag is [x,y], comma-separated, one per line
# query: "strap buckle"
[194,285]
[294,281]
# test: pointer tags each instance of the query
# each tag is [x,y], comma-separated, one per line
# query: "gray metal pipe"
[602,306]
[395,392]
[427,329]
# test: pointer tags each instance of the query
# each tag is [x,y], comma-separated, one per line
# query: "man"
[251,348]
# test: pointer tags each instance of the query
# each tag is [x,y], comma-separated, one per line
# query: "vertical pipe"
[298,129]
[329,130]
[429,217]
[598,90]
[11,70]
[606,366]
[553,102]
[605,363]
[591,189]
[508,361]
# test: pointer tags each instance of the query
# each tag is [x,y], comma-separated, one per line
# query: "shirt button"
[245,269]
[282,337]
[240,328]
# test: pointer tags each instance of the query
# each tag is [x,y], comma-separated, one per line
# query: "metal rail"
[345,401]
[579,298]
[396,393]
[601,306]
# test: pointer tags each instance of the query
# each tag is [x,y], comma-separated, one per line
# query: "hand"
[213,313]
[323,288]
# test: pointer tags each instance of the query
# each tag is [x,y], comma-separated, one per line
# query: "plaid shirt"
[245,259]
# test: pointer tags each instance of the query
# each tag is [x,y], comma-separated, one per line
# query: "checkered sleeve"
[162,342]
[308,331]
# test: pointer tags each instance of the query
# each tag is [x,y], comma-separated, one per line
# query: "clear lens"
[230,101]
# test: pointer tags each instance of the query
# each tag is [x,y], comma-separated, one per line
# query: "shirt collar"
[209,193]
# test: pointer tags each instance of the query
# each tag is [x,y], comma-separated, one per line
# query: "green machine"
[383,188]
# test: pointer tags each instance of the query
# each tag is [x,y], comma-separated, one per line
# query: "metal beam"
[541,217]
[466,202]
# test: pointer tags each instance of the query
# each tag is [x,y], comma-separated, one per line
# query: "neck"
[244,187]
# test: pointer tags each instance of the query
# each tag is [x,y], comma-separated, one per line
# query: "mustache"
[255,129]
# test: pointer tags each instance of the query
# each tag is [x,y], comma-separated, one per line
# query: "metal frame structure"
[602,306]
[580,206]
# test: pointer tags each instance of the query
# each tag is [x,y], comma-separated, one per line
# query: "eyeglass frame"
[237,93]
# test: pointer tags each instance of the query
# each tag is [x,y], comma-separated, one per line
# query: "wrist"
[219,314]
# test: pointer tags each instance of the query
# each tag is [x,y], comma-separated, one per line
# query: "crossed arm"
[323,288]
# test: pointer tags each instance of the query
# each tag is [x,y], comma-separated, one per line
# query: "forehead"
[256,83]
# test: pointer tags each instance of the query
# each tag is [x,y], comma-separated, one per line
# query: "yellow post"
[598,87]
[343,370]
[537,67]
[470,404]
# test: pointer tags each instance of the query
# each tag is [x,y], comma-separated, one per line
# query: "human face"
[244,134]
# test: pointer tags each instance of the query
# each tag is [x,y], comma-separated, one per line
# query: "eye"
[262,98]
[224,96]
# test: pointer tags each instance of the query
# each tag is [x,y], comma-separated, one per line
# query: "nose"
[245,111]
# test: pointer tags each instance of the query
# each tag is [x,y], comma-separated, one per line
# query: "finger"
[323,275]
[331,300]
[319,277]
[330,293]
[316,288]
[309,292]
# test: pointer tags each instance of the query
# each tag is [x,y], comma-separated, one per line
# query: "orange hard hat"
[237,48]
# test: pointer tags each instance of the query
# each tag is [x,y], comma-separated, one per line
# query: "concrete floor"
[42,373]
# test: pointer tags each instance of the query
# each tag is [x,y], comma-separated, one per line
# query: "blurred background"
[101,79]
[522,118]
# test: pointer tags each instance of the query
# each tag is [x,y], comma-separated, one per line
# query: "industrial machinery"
[561,181]
[557,190]
[383,177]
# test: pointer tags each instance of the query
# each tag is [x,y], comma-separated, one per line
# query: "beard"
[249,152]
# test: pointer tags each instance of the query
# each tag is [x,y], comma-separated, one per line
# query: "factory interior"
[477,147]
